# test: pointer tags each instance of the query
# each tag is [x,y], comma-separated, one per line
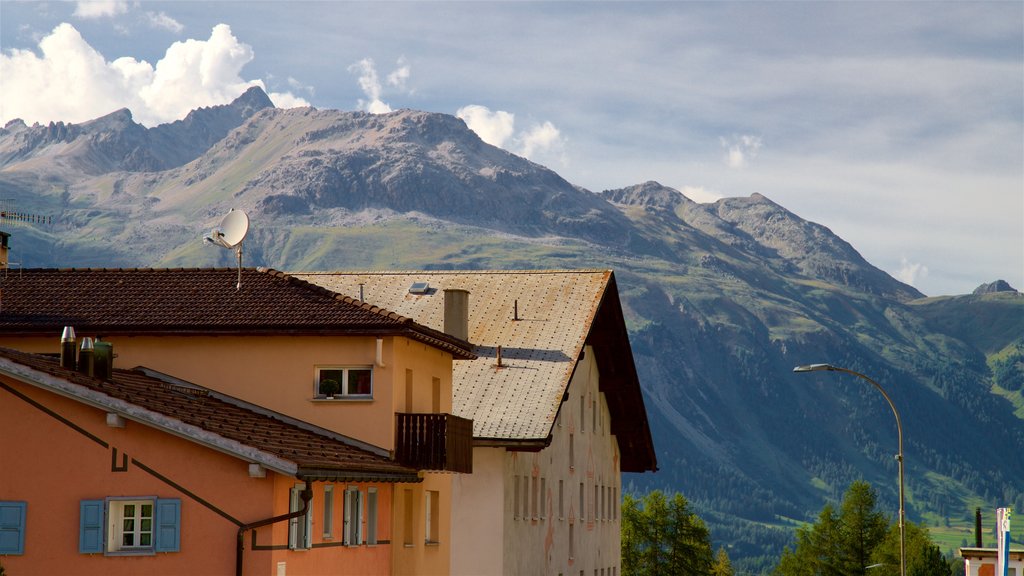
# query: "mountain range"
[722,299]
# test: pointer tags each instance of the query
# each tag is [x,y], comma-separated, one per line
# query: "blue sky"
[900,126]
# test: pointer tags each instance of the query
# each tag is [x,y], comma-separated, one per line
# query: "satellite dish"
[229,234]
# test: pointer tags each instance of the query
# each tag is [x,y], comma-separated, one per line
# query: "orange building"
[341,371]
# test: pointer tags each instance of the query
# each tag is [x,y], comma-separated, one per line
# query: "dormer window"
[344,382]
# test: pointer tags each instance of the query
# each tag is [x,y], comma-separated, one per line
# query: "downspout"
[306,495]
[380,353]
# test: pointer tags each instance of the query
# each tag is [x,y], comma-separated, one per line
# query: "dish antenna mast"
[229,234]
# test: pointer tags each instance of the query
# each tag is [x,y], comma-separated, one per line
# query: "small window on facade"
[561,499]
[344,382]
[371,515]
[515,499]
[533,497]
[526,497]
[543,496]
[583,497]
[433,510]
[12,527]
[408,391]
[299,528]
[572,452]
[129,526]
[583,413]
[353,517]
[435,396]
[328,511]
[410,516]
[572,542]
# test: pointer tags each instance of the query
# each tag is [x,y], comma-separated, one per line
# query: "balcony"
[434,442]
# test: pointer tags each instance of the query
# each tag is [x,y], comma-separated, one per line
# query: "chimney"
[103,358]
[977,528]
[67,348]
[85,358]
[456,313]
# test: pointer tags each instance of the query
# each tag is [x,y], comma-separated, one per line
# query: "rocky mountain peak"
[650,194]
[993,287]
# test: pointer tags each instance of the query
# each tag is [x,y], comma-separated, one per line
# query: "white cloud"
[541,138]
[700,194]
[911,272]
[100,8]
[400,76]
[740,150]
[369,83]
[495,128]
[162,20]
[498,128]
[70,81]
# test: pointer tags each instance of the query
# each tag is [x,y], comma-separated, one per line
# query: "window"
[344,382]
[12,527]
[433,509]
[533,498]
[515,499]
[572,542]
[543,496]
[353,516]
[410,514]
[435,396]
[408,391]
[129,526]
[526,496]
[561,499]
[371,515]
[299,528]
[583,496]
[572,452]
[583,414]
[328,511]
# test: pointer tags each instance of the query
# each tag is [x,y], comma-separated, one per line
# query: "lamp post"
[899,432]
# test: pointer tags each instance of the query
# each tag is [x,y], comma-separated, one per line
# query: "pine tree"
[662,536]
[722,565]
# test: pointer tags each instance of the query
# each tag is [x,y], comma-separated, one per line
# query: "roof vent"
[419,288]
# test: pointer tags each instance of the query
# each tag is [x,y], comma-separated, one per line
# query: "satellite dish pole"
[229,234]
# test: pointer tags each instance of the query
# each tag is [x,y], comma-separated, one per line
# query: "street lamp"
[899,432]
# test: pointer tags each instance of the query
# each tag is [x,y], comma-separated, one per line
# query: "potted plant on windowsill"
[329,388]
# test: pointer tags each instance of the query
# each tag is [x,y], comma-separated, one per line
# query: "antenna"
[229,234]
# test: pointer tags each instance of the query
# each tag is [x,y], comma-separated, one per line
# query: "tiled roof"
[558,313]
[210,418]
[197,300]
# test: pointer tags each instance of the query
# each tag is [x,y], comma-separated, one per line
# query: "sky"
[898,125]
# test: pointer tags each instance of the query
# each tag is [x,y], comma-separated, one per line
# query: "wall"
[53,467]
[279,373]
[582,450]
[478,515]
[412,555]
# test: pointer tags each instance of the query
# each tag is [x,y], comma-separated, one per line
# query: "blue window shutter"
[12,527]
[168,525]
[90,527]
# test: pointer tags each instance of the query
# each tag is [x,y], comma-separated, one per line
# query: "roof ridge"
[494,271]
[336,296]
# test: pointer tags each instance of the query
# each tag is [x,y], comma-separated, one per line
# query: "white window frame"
[371,516]
[300,528]
[116,526]
[328,512]
[433,516]
[353,524]
[344,392]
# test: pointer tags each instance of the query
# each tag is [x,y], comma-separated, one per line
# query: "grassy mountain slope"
[722,300]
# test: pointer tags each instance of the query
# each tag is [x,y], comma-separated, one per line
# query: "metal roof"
[541,319]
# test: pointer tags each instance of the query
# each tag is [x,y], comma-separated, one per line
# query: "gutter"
[306,496]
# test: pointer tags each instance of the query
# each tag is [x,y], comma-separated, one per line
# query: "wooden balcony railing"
[434,442]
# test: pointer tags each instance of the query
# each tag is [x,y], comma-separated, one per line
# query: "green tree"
[662,536]
[838,544]
[722,565]
[923,557]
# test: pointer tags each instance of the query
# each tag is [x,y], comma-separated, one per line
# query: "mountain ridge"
[721,299]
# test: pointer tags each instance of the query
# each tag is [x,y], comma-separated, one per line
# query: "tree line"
[661,535]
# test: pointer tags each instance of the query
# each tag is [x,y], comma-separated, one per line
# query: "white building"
[556,407]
